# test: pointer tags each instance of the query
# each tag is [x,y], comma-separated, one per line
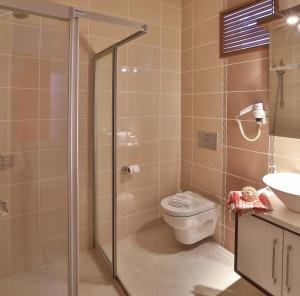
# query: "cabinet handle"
[275,241]
[287,279]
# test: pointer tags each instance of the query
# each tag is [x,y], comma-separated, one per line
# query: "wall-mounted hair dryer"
[259,115]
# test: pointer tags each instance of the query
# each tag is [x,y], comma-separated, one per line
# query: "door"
[259,253]
[291,263]
[104,152]
[34,93]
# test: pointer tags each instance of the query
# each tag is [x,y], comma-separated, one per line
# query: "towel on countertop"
[241,203]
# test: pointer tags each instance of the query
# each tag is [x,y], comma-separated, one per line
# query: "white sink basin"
[286,186]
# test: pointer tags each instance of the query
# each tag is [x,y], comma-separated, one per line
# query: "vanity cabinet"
[259,253]
[291,264]
[268,256]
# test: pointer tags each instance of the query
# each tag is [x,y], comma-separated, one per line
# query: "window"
[239,30]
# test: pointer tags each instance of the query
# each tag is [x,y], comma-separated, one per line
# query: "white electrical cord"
[243,133]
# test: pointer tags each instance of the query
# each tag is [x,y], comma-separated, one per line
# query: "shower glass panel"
[104,153]
[34,62]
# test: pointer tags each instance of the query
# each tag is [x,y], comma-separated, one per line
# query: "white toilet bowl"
[193,223]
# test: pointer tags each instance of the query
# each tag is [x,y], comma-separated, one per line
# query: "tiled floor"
[150,263]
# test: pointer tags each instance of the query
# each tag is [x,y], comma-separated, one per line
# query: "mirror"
[285,80]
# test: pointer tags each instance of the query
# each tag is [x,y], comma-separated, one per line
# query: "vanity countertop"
[281,215]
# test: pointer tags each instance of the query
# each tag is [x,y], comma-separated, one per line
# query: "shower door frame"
[73,15]
[113,49]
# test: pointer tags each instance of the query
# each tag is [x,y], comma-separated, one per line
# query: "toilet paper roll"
[132,169]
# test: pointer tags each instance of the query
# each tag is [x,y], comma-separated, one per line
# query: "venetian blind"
[238,27]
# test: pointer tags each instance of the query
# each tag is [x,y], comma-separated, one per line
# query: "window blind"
[239,30]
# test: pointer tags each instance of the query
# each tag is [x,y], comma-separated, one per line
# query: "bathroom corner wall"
[149,109]
[248,162]
[33,126]
[151,113]
[202,99]
[214,91]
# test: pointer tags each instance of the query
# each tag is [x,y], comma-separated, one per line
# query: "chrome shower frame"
[113,49]
[73,15]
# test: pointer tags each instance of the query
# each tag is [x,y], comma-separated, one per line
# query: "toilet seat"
[199,204]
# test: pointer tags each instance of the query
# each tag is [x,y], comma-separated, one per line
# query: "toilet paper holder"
[131,169]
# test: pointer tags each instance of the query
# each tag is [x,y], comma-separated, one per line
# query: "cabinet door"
[291,264]
[259,253]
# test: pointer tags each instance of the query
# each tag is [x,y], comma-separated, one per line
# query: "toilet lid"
[198,205]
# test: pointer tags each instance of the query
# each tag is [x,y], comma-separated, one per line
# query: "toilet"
[192,216]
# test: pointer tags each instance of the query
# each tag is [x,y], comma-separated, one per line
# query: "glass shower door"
[33,155]
[104,152]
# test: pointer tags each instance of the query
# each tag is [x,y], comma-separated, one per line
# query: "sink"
[286,186]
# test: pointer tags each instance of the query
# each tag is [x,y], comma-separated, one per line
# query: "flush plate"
[207,140]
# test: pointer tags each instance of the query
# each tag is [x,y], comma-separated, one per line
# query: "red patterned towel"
[236,203]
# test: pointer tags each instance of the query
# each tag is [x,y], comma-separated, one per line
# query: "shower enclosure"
[45,168]
[106,138]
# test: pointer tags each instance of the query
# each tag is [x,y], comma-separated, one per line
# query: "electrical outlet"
[207,140]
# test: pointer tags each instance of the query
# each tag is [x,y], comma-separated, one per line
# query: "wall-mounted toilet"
[192,216]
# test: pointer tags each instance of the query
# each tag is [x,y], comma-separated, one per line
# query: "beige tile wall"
[35,125]
[236,163]
[248,162]
[202,98]
[202,108]
[287,154]
[33,130]
[149,109]
[285,4]
[33,121]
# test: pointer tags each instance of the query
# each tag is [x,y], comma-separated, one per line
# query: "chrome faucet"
[272,169]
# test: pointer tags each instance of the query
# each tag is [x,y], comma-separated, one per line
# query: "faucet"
[272,169]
